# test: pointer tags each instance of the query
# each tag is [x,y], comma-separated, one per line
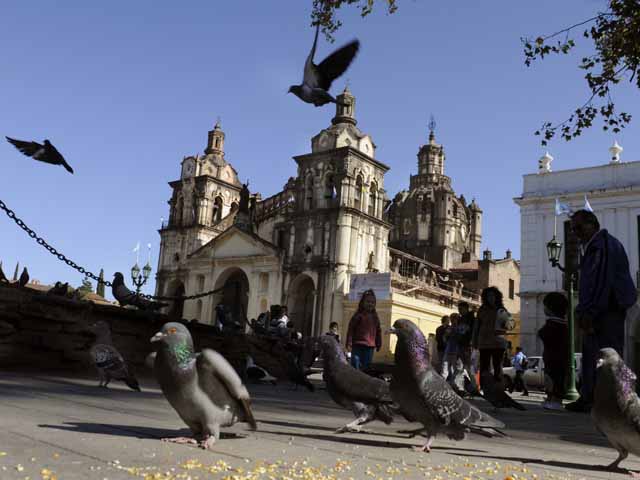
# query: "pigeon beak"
[392,331]
[157,337]
[600,363]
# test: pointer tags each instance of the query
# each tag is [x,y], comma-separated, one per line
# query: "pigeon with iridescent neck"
[203,388]
[425,397]
[317,79]
[616,406]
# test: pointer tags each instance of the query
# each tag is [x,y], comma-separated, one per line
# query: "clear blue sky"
[126,89]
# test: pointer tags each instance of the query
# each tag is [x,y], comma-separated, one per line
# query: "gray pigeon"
[108,361]
[616,406]
[45,153]
[369,398]
[124,296]
[317,79]
[203,388]
[461,382]
[425,397]
[494,393]
[24,277]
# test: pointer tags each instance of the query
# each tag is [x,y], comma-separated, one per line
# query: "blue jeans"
[609,332]
[361,356]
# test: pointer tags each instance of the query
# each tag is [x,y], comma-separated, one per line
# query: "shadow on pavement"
[134,431]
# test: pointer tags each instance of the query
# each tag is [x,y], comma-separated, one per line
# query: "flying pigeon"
[368,397]
[202,387]
[126,297]
[108,361]
[3,278]
[317,79]
[45,153]
[24,277]
[494,393]
[616,406]
[425,397]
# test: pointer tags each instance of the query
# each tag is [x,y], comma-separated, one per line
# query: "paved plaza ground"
[56,426]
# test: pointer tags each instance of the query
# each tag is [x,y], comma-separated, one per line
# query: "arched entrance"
[176,289]
[235,295]
[300,304]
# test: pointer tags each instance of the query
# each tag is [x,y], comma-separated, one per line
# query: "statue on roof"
[244,198]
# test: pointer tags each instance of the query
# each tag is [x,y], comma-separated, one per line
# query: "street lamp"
[140,280]
[554,247]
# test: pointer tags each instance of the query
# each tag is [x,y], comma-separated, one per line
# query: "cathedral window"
[179,209]
[309,193]
[216,213]
[218,142]
[234,206]
[329,189]
[373,193]
[455,211]
[198,309]
[357,199]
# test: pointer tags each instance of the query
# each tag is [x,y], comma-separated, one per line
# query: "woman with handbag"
[492,323]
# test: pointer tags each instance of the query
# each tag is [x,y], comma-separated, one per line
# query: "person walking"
[452,346]
[605,292]
[555,340]
[492,323]
[441,342]
[519,362]
[364,332]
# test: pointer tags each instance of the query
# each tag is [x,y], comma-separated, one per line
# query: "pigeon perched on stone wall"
[369,398]
[45,153]
[424,396]
[24,277]
[494,393]
[124,296]
[317,79]
[616,406]
[203,388]
[108,361]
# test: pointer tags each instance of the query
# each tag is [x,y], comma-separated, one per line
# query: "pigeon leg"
[354,427]
[101,377]
[426,447]
[180,440]
[622,454]
[107,379]
[210,440]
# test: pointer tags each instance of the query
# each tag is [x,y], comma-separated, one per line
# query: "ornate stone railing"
[272,205]
[412,274]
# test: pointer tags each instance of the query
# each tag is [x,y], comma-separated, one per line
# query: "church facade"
[300,246]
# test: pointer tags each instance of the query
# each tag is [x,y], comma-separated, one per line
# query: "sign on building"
[380,283]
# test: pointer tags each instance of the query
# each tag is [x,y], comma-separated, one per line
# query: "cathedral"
[301,246]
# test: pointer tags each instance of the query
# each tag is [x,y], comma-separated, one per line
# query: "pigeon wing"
[107,358]
[448,407]
[28,148]
[210,362]
[359,386]
[336,64]
[310,76]
[627,398]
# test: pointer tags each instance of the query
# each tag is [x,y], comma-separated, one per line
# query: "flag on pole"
[587,205]
[562,208]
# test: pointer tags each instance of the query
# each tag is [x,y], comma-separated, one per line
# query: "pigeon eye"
[172,330]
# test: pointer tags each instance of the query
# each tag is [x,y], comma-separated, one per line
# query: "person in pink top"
[364,333]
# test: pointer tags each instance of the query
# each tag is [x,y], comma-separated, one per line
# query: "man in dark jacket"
[441,341]
[606,291]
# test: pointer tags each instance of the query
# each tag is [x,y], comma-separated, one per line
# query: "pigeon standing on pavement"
[203,388]
[616,406]
[494,393]
[108,361]
[317,79]
[369,398]
[45,153]
[24,277]
[124,296]
[425,397]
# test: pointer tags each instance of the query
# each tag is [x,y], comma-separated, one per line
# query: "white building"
[613,191]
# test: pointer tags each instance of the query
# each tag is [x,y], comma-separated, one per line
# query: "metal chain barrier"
[40,241]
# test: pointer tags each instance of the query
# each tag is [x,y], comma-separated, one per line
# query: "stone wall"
[48,331]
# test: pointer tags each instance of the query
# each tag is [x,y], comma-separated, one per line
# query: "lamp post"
[140,279]
[554,247]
